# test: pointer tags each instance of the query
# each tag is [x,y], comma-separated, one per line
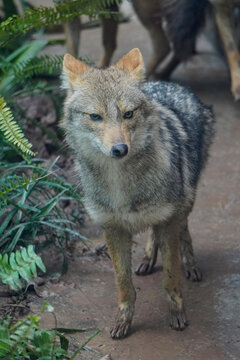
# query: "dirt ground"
[86,296]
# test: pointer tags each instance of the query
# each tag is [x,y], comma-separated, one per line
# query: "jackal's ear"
[133,62]
[72,70]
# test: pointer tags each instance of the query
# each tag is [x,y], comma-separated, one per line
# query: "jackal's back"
[186,124]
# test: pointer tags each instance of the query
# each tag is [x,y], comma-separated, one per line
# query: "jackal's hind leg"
[191,270]
[168,236]
[161,47]
[224,15]
[149,260]
[72,31]
[109,36]
[119,246]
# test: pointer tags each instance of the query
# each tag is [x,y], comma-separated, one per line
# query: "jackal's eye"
[128,115]
[95,117]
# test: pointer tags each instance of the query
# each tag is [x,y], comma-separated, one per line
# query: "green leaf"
[63,341]
[15,239]
[12,261]
[45,210]
[71,330]
[33,269]
[16,279]
[42,16]
[47,307]
[11,131]
[40,264]
[19,258]
[25,273]
[72,232]
[21,264]
[7,220]
[84,344]
[30,50]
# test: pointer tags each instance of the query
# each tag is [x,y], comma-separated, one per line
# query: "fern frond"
[43,16]
[9,184]
[20,265]
[15,338]
[11,130]
[37,66]
[25,339]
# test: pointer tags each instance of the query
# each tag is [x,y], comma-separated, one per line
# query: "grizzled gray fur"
[140,149]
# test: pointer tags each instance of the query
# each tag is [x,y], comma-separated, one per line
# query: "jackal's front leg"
[169,245]
[119,246]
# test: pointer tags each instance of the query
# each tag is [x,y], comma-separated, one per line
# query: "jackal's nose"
[119,150]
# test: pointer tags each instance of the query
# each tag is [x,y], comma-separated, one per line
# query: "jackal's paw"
[120,330]
[192,273]
[178,319]
[146,267]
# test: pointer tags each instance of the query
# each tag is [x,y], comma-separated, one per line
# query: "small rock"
[106,357]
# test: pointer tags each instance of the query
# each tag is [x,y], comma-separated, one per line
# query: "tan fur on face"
[109,93]
[114,135]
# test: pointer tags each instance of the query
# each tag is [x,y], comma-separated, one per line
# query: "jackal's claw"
[192,273]
[178,319]
[145,268]
[120,330]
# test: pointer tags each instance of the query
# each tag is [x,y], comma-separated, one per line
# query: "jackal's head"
[106,110]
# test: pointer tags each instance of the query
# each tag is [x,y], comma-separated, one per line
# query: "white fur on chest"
[133,220]
[121,190]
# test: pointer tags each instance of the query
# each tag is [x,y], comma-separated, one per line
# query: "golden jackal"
[140,148]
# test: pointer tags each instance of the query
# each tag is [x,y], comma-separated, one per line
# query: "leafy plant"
[32,206]
[25,340]
[21,264]
[31,195]
[9,64]
[42,16]
[11,131]
[20,66]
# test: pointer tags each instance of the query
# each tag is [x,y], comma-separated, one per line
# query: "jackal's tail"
[184,20]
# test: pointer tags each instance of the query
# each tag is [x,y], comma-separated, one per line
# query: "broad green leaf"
[40,264]
[33,269]
[15,277]
[28,52]
[12,261]
[24,254]
[19,258]
[25,273]
[11,283]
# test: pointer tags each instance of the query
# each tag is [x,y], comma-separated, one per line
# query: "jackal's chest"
[134,201]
